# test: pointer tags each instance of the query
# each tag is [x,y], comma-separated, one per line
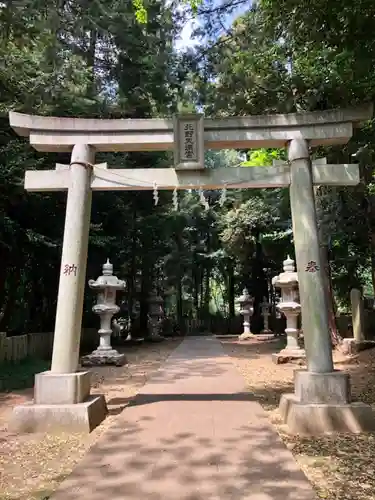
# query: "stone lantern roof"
[289,277]
[107,280]
[245,297]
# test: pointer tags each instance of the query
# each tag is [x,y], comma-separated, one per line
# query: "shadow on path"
[201,437]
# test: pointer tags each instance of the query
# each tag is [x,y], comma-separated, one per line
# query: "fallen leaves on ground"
[340,467]
[32,465]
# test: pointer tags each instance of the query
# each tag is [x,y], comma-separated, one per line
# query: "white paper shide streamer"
[203,199]
[175,200]
[155,194]
[223,196]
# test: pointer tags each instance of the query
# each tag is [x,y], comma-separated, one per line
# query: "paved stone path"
[193,433]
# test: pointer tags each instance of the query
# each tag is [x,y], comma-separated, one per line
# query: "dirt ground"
[31,466]
[340,467]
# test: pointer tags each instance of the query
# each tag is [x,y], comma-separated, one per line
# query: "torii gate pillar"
[322,400]
[310,271]
[73,263]
[62,395]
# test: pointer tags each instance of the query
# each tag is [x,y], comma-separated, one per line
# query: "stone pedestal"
[246,309]
[60,401]
[322,404]
[101,357]
[351,346]
[287,281]
[357,343]
[107,286]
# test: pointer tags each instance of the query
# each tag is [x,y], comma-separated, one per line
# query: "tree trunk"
[179,303]
[196,280]
[207,294]
[328,291]
[366,173]
[4,259]
[231,290]
[144,297]
[335,335]
[12,296]
[259,287]
[372,248]
[91,90]
[132,292]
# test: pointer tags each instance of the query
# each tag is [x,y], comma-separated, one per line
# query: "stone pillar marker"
[107,286]
[358,315]
[322,399]
[156,314]
[246,309]
[62,395]
[287,281]
[358,342]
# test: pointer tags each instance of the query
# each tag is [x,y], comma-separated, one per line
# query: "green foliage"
[287,56]
[21,375]
[238,226]
[262,157]
[82,59]
[111,58]
[140,11]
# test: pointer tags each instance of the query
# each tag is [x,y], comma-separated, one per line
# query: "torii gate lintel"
[145,179]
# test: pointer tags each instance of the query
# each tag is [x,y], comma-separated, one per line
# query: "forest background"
[124,59]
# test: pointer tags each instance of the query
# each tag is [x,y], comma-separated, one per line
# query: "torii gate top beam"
[52,134]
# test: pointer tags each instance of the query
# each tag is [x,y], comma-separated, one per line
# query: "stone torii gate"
[62,396]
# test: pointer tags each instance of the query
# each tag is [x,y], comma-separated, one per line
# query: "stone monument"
[265,308]
[289,305]
[358,342]
[358,315]
[156,314]
[246,309]
[122,327]
[106,286]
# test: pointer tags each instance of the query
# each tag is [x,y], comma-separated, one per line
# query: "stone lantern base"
[322,404]
[266,331]
[246,336]
[154,327]
[101,357]
[155,338]
[265,335]
[288,355]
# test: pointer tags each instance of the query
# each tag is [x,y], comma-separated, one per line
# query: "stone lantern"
[106,285]
[265,309]
[156,315]
[289,305]
[246,309]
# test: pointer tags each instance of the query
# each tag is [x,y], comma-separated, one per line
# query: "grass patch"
[15,376]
